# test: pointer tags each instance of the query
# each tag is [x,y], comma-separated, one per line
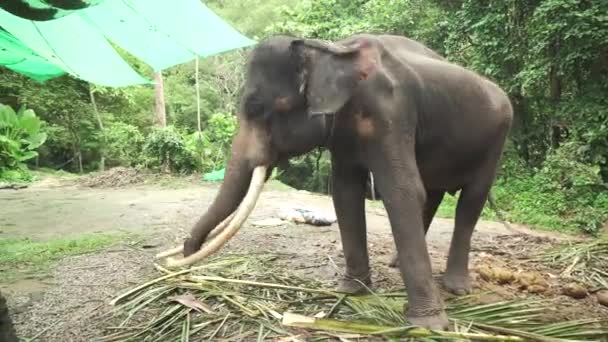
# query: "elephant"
[7,331]
[380,103]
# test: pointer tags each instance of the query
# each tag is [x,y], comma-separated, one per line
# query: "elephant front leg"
[349,203]
[404,198]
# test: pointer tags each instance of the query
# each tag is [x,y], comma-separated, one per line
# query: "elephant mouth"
[224,231]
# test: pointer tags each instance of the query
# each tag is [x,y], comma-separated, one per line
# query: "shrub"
[165,148]
[20,136]
[212,148]
[304,173]
[123,144]
[564,193]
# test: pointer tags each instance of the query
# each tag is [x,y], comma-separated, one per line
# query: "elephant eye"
[253,106]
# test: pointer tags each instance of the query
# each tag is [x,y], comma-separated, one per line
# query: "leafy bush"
[165,148]
[123,144]
[20,136]
[303,173]
[220,129]
[213,146]
[564,193]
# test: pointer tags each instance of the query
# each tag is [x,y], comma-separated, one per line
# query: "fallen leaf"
[190,301]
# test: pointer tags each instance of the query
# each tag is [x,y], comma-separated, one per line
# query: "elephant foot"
[394,263]
[354,285]
[458,284]
[434,322]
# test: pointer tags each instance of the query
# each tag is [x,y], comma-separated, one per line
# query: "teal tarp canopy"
[18,57]
[161,33]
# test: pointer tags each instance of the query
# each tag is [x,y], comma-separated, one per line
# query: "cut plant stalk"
[245,292]
[299,321]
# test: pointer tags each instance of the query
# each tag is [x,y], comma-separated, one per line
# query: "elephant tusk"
[170,252]
[221,227]
[241,214]
[215,232]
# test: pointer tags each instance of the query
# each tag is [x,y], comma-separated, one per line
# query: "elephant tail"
[499,213]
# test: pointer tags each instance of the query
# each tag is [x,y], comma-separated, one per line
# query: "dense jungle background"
[551,56]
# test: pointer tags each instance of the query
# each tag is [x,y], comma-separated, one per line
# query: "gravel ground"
[71,303]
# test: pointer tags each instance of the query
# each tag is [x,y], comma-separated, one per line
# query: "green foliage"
[250,17]
[123,144]
[165,148]
[220,129]
[550,57]
[336,19]
[564,193]
[304,173]
[212,147]
[20,136]
[187,152]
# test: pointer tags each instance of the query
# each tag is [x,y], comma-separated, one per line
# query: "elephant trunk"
[243,183]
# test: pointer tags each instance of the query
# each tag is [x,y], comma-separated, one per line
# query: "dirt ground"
[66,304]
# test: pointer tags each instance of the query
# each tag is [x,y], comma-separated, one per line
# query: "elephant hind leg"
[7,331]
[468,210]
[433,200]
[349,203]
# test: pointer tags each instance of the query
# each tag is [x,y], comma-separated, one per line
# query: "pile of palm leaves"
[585,262]
[246,298]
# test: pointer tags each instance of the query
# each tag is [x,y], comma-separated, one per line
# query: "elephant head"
[293,88]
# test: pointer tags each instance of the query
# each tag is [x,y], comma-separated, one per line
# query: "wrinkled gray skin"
[384,104]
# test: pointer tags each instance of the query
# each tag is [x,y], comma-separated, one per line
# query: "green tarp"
[162,33]
[74,46]
[214,176]
[18,57]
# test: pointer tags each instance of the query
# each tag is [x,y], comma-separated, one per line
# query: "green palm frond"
[585,262]
[247,298]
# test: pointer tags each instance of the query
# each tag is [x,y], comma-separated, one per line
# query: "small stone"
[602,297]
[575,291]
[536,289]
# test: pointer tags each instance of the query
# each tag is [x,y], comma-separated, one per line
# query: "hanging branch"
[198,100]
[102,162]
[198,109]
[161,114]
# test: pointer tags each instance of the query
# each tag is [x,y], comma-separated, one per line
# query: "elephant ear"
[331,72]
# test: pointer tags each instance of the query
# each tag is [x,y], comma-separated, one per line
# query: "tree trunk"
[161,115]
[555,86]
[521,127]
[80,168]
